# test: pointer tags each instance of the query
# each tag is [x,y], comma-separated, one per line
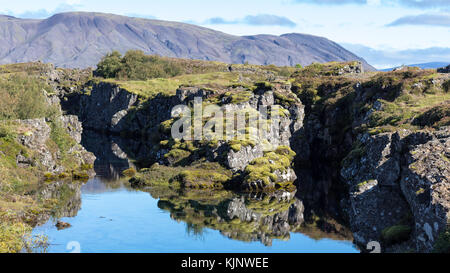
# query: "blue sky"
[367,25]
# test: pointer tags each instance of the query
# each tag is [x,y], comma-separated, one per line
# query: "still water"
[113,217]
[108,216]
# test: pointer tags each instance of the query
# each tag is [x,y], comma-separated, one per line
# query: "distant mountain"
[80,39]
[432,65]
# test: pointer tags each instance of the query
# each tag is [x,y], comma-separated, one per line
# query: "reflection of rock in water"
[271,216]
[67,196]
[113,153]
[259,217]
[247,218]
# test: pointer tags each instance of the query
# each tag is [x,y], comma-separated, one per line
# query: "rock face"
[80,39]
[112,109]
[426,184]
[35,136]
[114,103]
[395,175]
[237,161]
[73,126]
[118,111]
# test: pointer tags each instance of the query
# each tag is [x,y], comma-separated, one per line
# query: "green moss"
[241,97]
[236,147]
[80,175]
[148,89]
[420,191]
[203,179]
[129,172]
[364,183]
[396,234]
[236,144]
[176,155]
[86,167]
[445,158]
[157,175]
[442,244]
[262,169]
[166,126]
[164,143]
[436,117]
[284,99]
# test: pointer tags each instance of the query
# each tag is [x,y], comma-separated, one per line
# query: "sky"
[385,32]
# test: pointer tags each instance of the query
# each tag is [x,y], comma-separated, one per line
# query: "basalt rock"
[393,176]
[35,136]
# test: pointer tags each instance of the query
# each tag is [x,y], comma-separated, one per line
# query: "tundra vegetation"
[338,95]
[372,102]
[24,95]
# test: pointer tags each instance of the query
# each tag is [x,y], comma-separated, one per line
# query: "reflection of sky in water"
[122,220]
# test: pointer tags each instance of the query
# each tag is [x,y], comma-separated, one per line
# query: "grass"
[168,86]
[23,96]
[12,237]
[174,156]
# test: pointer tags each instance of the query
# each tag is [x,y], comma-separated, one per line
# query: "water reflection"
[249,218]
[117,218]
[64,197]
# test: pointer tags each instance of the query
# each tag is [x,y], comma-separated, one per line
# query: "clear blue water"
[128,221]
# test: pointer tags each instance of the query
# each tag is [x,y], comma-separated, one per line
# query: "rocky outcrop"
[444,69]
[121,112]
[105,107]
[425,183]
[112,109]
[35,135]
[73,126]
[238,160]
[392,176]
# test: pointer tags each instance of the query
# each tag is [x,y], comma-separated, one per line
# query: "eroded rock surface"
[394,175]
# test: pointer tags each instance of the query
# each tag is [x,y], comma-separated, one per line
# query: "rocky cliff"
[368,149]
[400,181]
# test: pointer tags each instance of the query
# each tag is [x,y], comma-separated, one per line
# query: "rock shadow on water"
[115,154]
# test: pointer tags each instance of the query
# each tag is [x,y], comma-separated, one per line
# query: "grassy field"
[168,86]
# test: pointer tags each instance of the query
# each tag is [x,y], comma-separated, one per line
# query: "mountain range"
[80,39]
[432,65]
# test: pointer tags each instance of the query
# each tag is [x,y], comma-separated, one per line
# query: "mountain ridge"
[80,39]
[429,65]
